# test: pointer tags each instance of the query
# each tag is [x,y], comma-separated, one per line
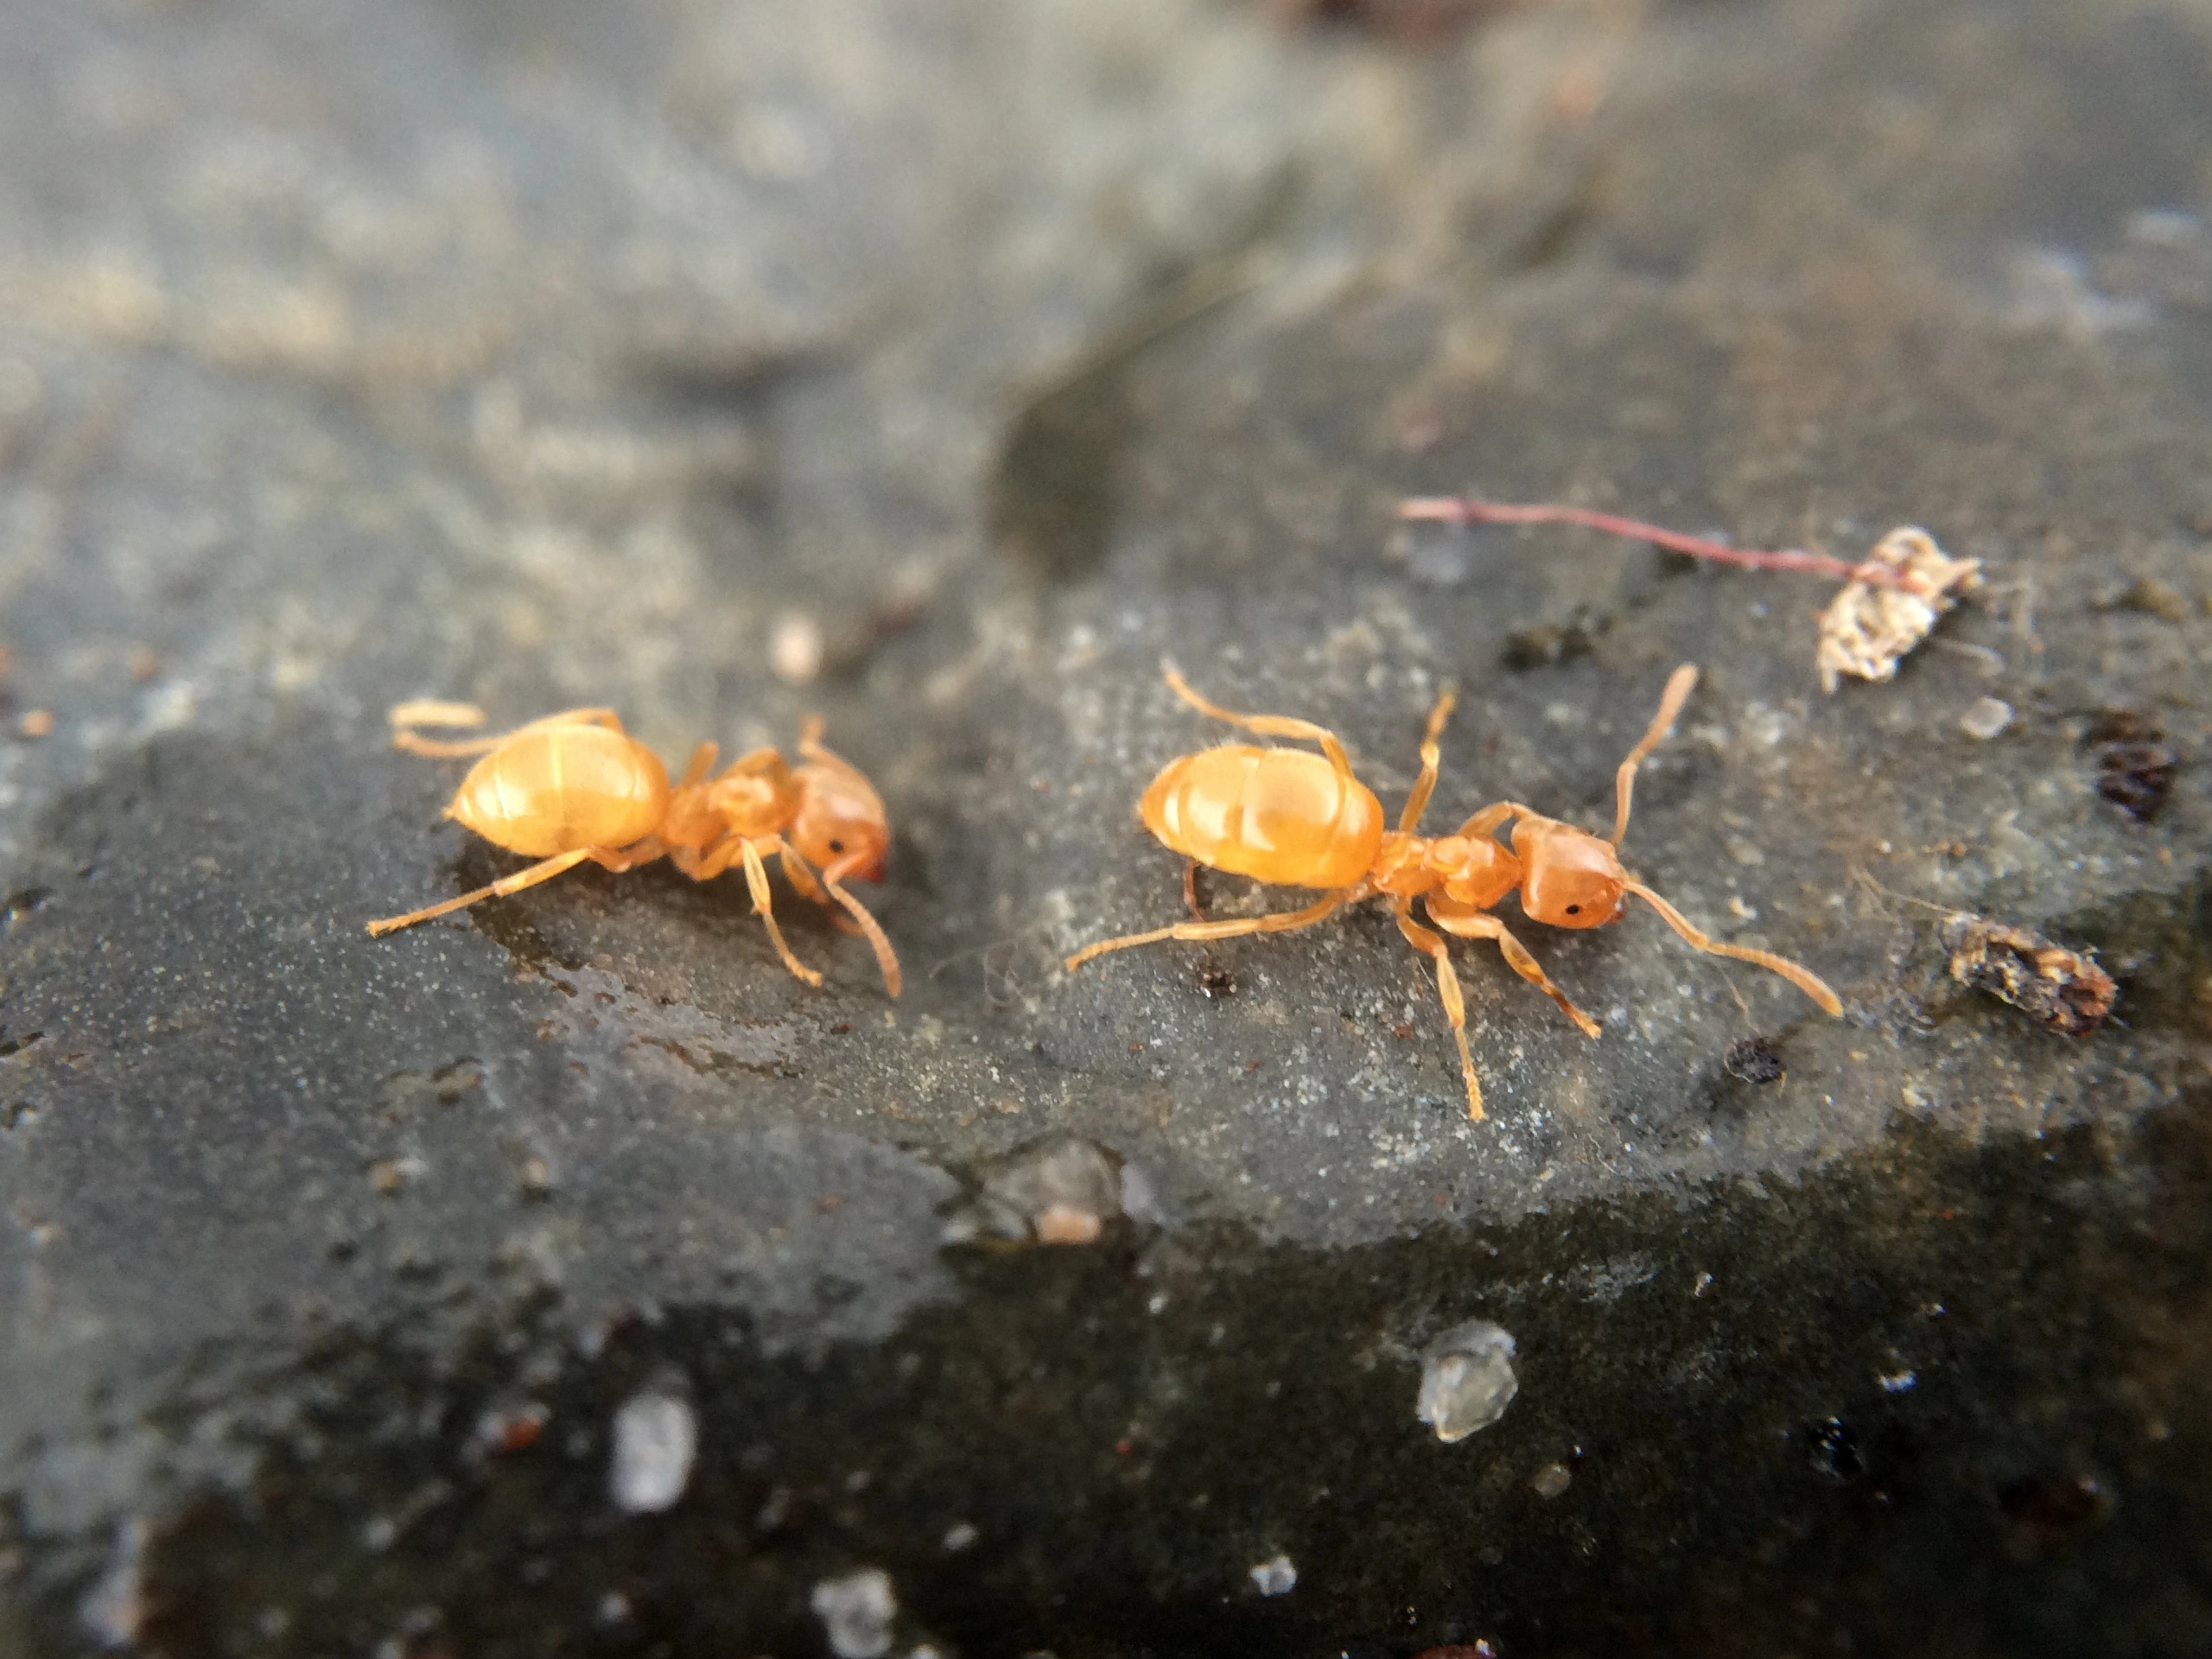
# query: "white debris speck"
[656,1438]
[113,1608]
[1897,1382]
[1551,1480]
[856,1610]
[1867,628]
[958,1536]
[1275,1576]
[1985,717]
[1466,1380]
[1061,1193]
[795,648]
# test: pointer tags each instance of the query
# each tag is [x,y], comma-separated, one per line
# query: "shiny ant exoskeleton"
[574,786]
[1299,819]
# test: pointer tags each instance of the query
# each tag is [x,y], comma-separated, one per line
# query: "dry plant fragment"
[1865,629]
[2062,989]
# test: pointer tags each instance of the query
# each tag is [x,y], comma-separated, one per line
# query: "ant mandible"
[1302,820]
[574,786]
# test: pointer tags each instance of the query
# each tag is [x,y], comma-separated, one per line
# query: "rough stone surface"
[551,354]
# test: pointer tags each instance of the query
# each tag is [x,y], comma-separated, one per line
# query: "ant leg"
[1486,822]
[798,872]
[1191,890]
[703,762]
[1804,979]
[1280,922]
[1447,988]
[1431,759]
[1478,925]
[886,959]
[756,878]
[1270,726]
[1679,684]
[544,871]
[404,737]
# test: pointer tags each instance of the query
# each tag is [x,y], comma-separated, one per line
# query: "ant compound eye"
[836,846]
[1574,910]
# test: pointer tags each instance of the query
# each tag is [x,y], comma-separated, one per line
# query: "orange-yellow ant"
[574,786]
[1302,820]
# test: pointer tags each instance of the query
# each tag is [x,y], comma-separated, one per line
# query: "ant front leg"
[1447,988]
[1481,925]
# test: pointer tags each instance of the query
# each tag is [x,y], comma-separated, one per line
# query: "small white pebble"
[1275,1576]
[1466,1380]
[1897,1382]
[656,1438]
[958,1536]
[795,648]
[1551,1480]
[856,1610]
[1985,717]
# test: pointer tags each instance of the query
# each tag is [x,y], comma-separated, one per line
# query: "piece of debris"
[2062,989]
[1866,629]
[1832,1450]
[655,1440]
[503,1430]
[2043,1511]
[795,648]
[856,1610]
[1551,1480]
[1985,717]
[1752,1059]
[1062,1192]
[1889,603]
[1547,645]
[115,1607]
[36,722]
[2135,777]
[1466,1380]
[1275,1576]
[2149,595]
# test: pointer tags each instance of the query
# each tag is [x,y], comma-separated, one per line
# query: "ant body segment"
[574,786]
[1300,819]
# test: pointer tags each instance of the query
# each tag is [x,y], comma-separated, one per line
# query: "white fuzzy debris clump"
[656,1439]
[1277,1576]
[1868,627]
[1466,1380]
[856,1610]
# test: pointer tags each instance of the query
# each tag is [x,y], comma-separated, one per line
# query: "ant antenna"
[1678,685]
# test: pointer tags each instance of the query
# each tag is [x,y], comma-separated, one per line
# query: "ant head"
[1570,878]
[839,824]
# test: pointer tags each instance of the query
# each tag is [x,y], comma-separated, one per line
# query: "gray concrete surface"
[546,356]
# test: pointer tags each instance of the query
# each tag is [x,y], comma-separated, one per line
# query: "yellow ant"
[574,786]
[1302,820]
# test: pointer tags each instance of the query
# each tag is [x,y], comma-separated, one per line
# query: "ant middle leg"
[1431,761]
[1803,978]
[1481,925]
[1280,922]
[1447,989]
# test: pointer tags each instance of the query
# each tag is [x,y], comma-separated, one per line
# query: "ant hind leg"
[544,871]
[1280,922]
[1431,761]
[1680,683]
[408,716]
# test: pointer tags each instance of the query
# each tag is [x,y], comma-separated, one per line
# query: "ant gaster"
[1299,819]
[574,786]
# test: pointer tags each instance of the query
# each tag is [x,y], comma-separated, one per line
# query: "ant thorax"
[1473,870]
[750,803]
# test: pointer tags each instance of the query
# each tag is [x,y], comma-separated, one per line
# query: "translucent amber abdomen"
[1275,815]
[555,789]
